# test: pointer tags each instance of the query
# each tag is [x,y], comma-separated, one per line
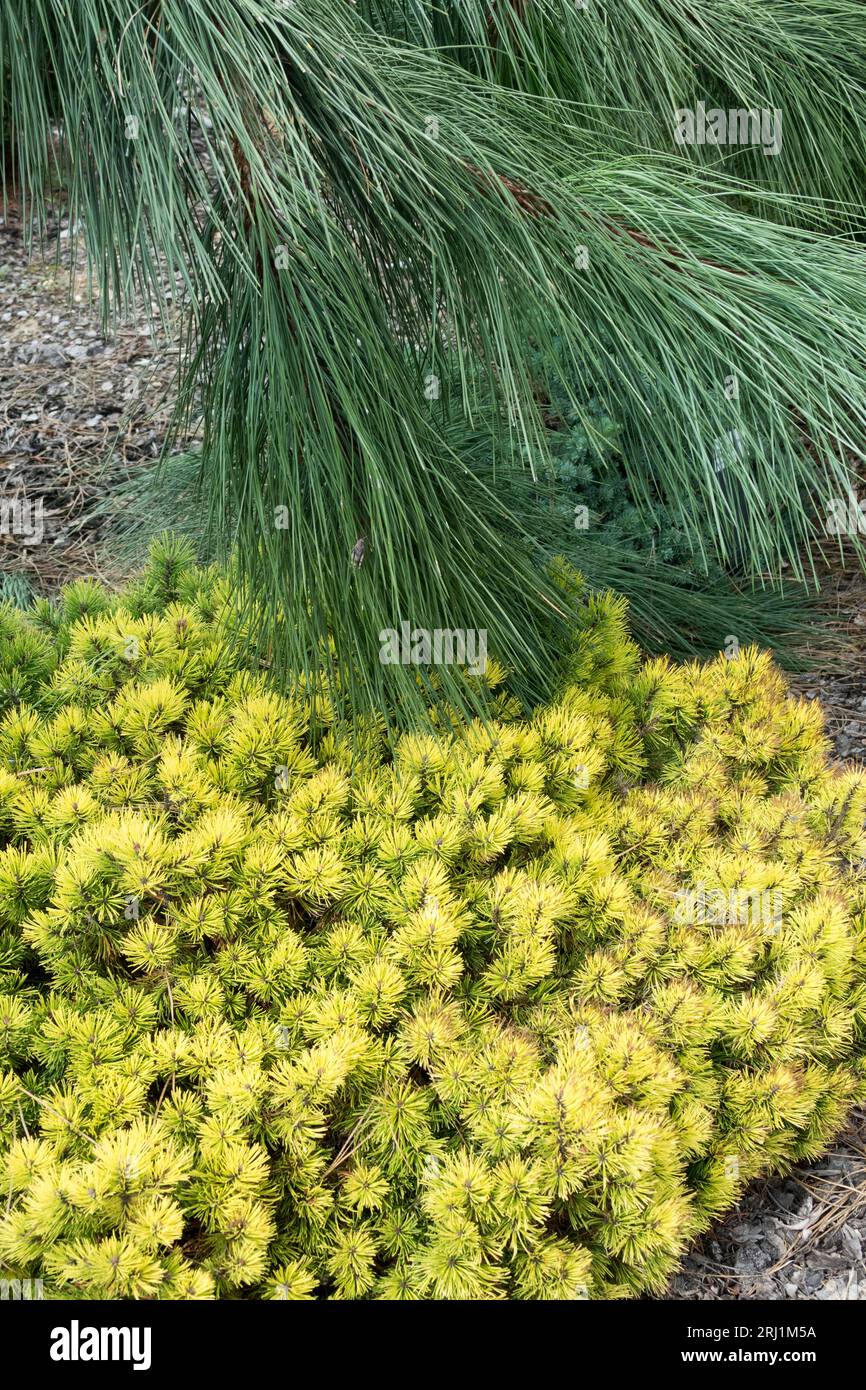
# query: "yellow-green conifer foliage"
[494,1013]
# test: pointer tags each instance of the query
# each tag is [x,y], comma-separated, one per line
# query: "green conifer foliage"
[490,1012]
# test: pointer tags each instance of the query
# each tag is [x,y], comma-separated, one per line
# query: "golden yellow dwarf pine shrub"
[511,1011]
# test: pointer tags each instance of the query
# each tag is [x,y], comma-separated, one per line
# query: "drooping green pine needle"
[369,207]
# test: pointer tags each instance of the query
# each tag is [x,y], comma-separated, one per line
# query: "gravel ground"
[78,409]
[800,1237]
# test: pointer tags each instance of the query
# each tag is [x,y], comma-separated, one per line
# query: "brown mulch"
[842,692]
[79,408]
